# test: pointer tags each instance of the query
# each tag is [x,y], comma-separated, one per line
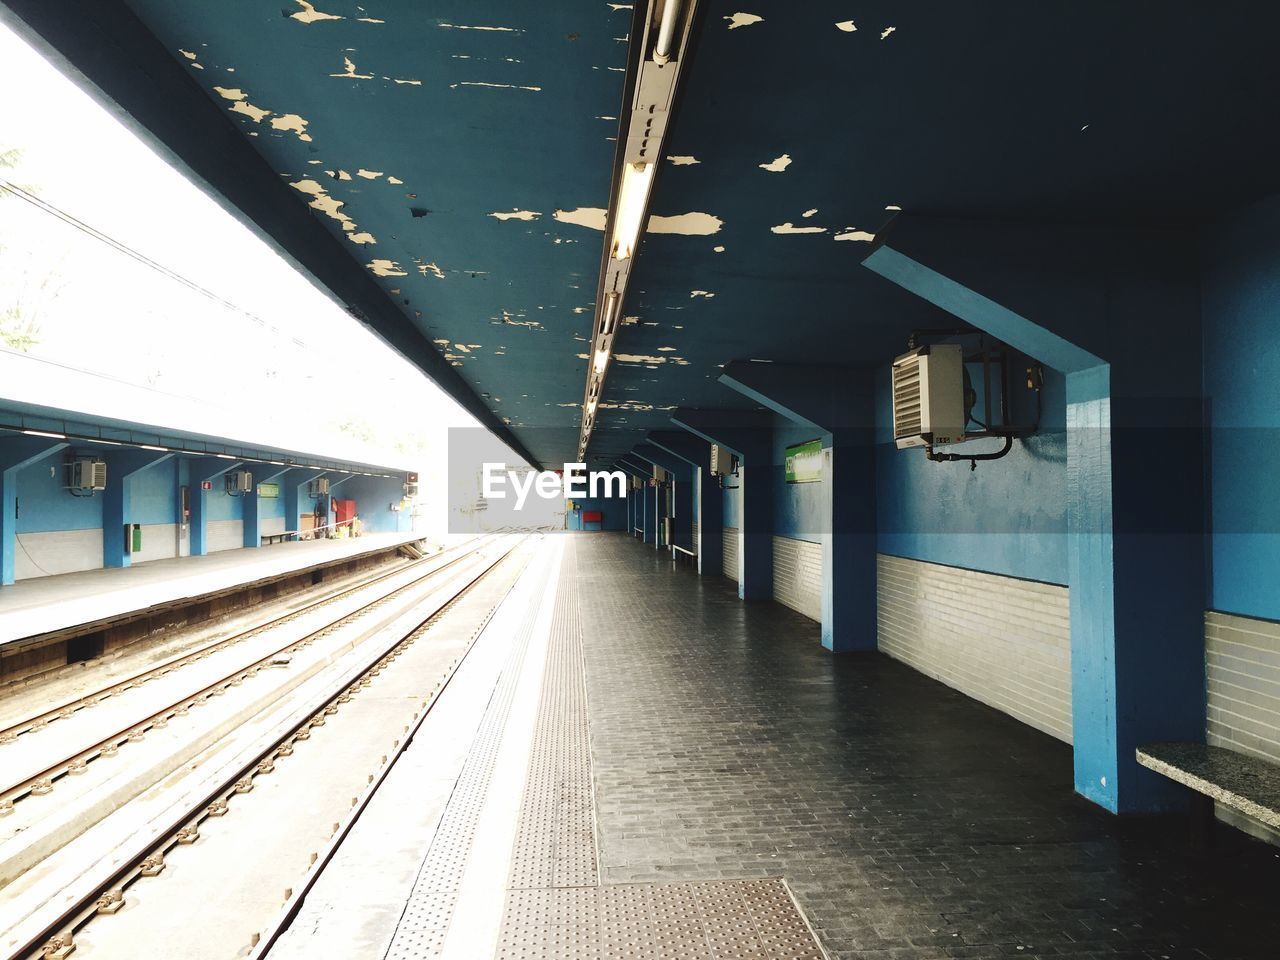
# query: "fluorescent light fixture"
[610,316]
[224,456]
[113,443]
[601,361]
[45,433]
[278,463]
[628,218]
[666,32]
[147,446]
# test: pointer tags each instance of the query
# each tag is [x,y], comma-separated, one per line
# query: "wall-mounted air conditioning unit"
[320,487]
[239,482]
[721,461]
[929,396]
[659,475]
[410,489]
[636,483]
[87,476]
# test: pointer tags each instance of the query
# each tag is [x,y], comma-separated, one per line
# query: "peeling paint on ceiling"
[788,228]
[514,214]
[778,165]
[742,20]
[690,224]
[591,217]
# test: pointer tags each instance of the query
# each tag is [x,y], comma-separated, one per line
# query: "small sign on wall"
[804,462]
[206,484]
[269,491]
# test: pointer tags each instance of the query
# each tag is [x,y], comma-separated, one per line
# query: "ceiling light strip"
[663,44]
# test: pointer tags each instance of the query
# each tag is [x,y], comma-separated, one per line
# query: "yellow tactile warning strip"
[554,908]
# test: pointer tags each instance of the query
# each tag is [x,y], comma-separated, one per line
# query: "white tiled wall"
[159,542]
[1003,641]
[730,556]
[1242,672]
[797,575]
[58,551]
[224,535]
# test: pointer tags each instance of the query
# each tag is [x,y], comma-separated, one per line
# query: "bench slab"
[1245,783]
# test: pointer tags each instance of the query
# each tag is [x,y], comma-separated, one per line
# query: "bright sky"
[302,366]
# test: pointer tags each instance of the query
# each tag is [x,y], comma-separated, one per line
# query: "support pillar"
[682,476]
[1084,302]
[838,405]
[293,482]
[201,470]
[708,506]
[253,510]
[16,452]
[117,501]
[749,434]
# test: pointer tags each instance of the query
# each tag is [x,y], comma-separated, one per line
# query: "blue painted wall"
[798,511]
[1241,323]
[373,497]
[1007,517]
[613,512]
[154,494]
[220,504]
[43,504]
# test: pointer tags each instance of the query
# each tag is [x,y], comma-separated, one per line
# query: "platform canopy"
[443,169]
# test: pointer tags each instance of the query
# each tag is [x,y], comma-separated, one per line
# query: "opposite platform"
[45,604]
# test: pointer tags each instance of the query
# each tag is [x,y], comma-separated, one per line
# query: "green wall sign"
[804,462]
[269,491]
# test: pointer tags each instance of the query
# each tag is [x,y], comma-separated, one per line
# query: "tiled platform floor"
[910,822]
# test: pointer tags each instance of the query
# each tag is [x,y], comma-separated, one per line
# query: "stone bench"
[1236,780]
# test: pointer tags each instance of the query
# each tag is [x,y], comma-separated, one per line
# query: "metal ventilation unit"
[87,476]
[721,461]
[319,488]
[239,482]
[929,396]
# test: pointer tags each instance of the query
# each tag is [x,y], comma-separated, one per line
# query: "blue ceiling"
[808,124]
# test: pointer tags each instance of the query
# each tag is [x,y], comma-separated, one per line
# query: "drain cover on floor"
[738,919]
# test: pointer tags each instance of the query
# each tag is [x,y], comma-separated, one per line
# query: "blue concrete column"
[16,452]
[748,433]
[293,481]
[1084,302]
[708,508]
[838,404]
[117,500]
[253,509]
[202,469]
[650,514]
[682,476]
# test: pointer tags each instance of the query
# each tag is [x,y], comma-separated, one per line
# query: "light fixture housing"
[633,201]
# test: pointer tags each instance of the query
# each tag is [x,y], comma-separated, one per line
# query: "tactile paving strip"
[555,842]
[715,920]
[555,911]
[429,910]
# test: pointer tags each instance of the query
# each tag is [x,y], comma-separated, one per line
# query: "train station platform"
[672,772]
[44,605]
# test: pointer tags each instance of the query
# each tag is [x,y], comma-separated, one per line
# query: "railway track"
[75,761]
[71,706]
[50,933]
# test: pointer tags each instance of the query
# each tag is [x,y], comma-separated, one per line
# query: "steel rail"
[77,761]
[55,939]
